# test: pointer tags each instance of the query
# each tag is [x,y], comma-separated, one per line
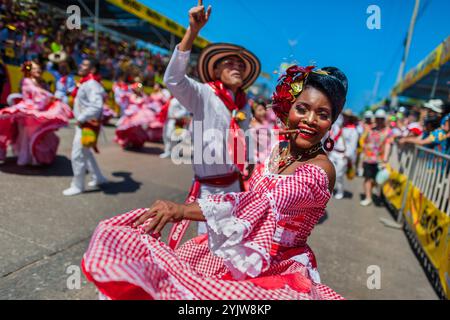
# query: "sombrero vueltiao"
[216,51]
[58,57]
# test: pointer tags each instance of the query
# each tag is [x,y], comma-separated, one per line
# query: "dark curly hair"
[330,81]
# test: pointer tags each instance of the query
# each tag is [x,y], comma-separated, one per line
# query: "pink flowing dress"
[133,126]
[256,247]
[30,125]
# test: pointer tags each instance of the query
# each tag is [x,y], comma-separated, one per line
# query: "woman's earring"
[329,144]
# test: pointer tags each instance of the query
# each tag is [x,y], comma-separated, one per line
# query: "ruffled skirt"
[32,132]
[136,129]
[125,263]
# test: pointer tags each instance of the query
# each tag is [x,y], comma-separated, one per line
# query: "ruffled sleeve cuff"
[227,235]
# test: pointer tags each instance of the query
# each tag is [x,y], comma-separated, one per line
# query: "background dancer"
[132,127]
[343,156]
[175,113]
[30,124]
[88,108]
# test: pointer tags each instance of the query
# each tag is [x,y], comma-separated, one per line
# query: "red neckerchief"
[63,80]
[236,140]
[90,76]
[350,126]
[225,95]
[338,135]
[122,85]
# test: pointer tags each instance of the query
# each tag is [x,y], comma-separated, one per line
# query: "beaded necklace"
[284,158]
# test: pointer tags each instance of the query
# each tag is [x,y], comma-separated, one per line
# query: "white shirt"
[88,104]
[200,99]
[347,142]
[176,110]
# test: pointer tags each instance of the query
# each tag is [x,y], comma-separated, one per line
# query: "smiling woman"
[256,244]
[256,241]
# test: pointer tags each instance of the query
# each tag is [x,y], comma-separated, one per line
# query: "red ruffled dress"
[255,247]
[30,125]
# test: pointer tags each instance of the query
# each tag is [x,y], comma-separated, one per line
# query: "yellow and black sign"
[431,227]
[394,189]
[143,12]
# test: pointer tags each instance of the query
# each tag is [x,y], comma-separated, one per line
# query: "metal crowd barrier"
[425,169]
[429,171]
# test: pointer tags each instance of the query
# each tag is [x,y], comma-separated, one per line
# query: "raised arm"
[197,20]
[186,90]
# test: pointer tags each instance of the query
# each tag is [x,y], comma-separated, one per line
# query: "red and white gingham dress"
[255,247]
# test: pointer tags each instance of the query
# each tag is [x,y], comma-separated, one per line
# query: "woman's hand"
[198,17]
[160,213]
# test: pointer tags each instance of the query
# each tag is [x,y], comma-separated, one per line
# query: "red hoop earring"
[329,144]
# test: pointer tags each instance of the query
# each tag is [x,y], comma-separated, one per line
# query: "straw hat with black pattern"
[215,52]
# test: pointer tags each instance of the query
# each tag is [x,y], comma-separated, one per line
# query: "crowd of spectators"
[30,32]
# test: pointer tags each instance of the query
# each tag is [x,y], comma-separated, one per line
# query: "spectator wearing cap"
[438,139]
[435,107]
[376,148]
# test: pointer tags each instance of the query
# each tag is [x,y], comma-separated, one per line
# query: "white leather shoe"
[339,196]
[366,202]
[164,155]
[72,191]
[96,183]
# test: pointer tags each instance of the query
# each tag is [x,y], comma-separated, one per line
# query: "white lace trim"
[304,260]
[225,234]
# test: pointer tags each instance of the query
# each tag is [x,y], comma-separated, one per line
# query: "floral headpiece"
[26,67]
[289,87]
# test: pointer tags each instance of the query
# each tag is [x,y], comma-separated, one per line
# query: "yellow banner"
[431,227]
[394,189]
[156,19]
[438,57]
[445,55]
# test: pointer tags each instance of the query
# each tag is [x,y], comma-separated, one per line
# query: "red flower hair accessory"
[26,67]
[289,87]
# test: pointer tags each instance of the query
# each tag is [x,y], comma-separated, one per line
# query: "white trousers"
[340,165]
[205,191]
[82,160]
[169,129]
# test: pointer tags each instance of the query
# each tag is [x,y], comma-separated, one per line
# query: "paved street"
[42,233]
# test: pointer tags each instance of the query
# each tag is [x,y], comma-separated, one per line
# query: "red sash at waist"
[219,180]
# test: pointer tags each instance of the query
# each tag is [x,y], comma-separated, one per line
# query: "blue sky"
[326,32]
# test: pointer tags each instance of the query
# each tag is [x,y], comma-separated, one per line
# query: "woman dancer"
[30,125]
[262,132]
[132,127]
[256,246]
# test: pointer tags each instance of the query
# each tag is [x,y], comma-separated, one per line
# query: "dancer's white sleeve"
[188,92]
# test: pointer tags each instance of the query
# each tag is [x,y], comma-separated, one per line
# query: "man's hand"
[78,124]
[198,17]
[160,213]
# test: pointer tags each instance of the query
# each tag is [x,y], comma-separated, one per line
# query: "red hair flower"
[289,87]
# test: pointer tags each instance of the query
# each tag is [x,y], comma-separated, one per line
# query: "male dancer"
[219,104]
[88,106]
